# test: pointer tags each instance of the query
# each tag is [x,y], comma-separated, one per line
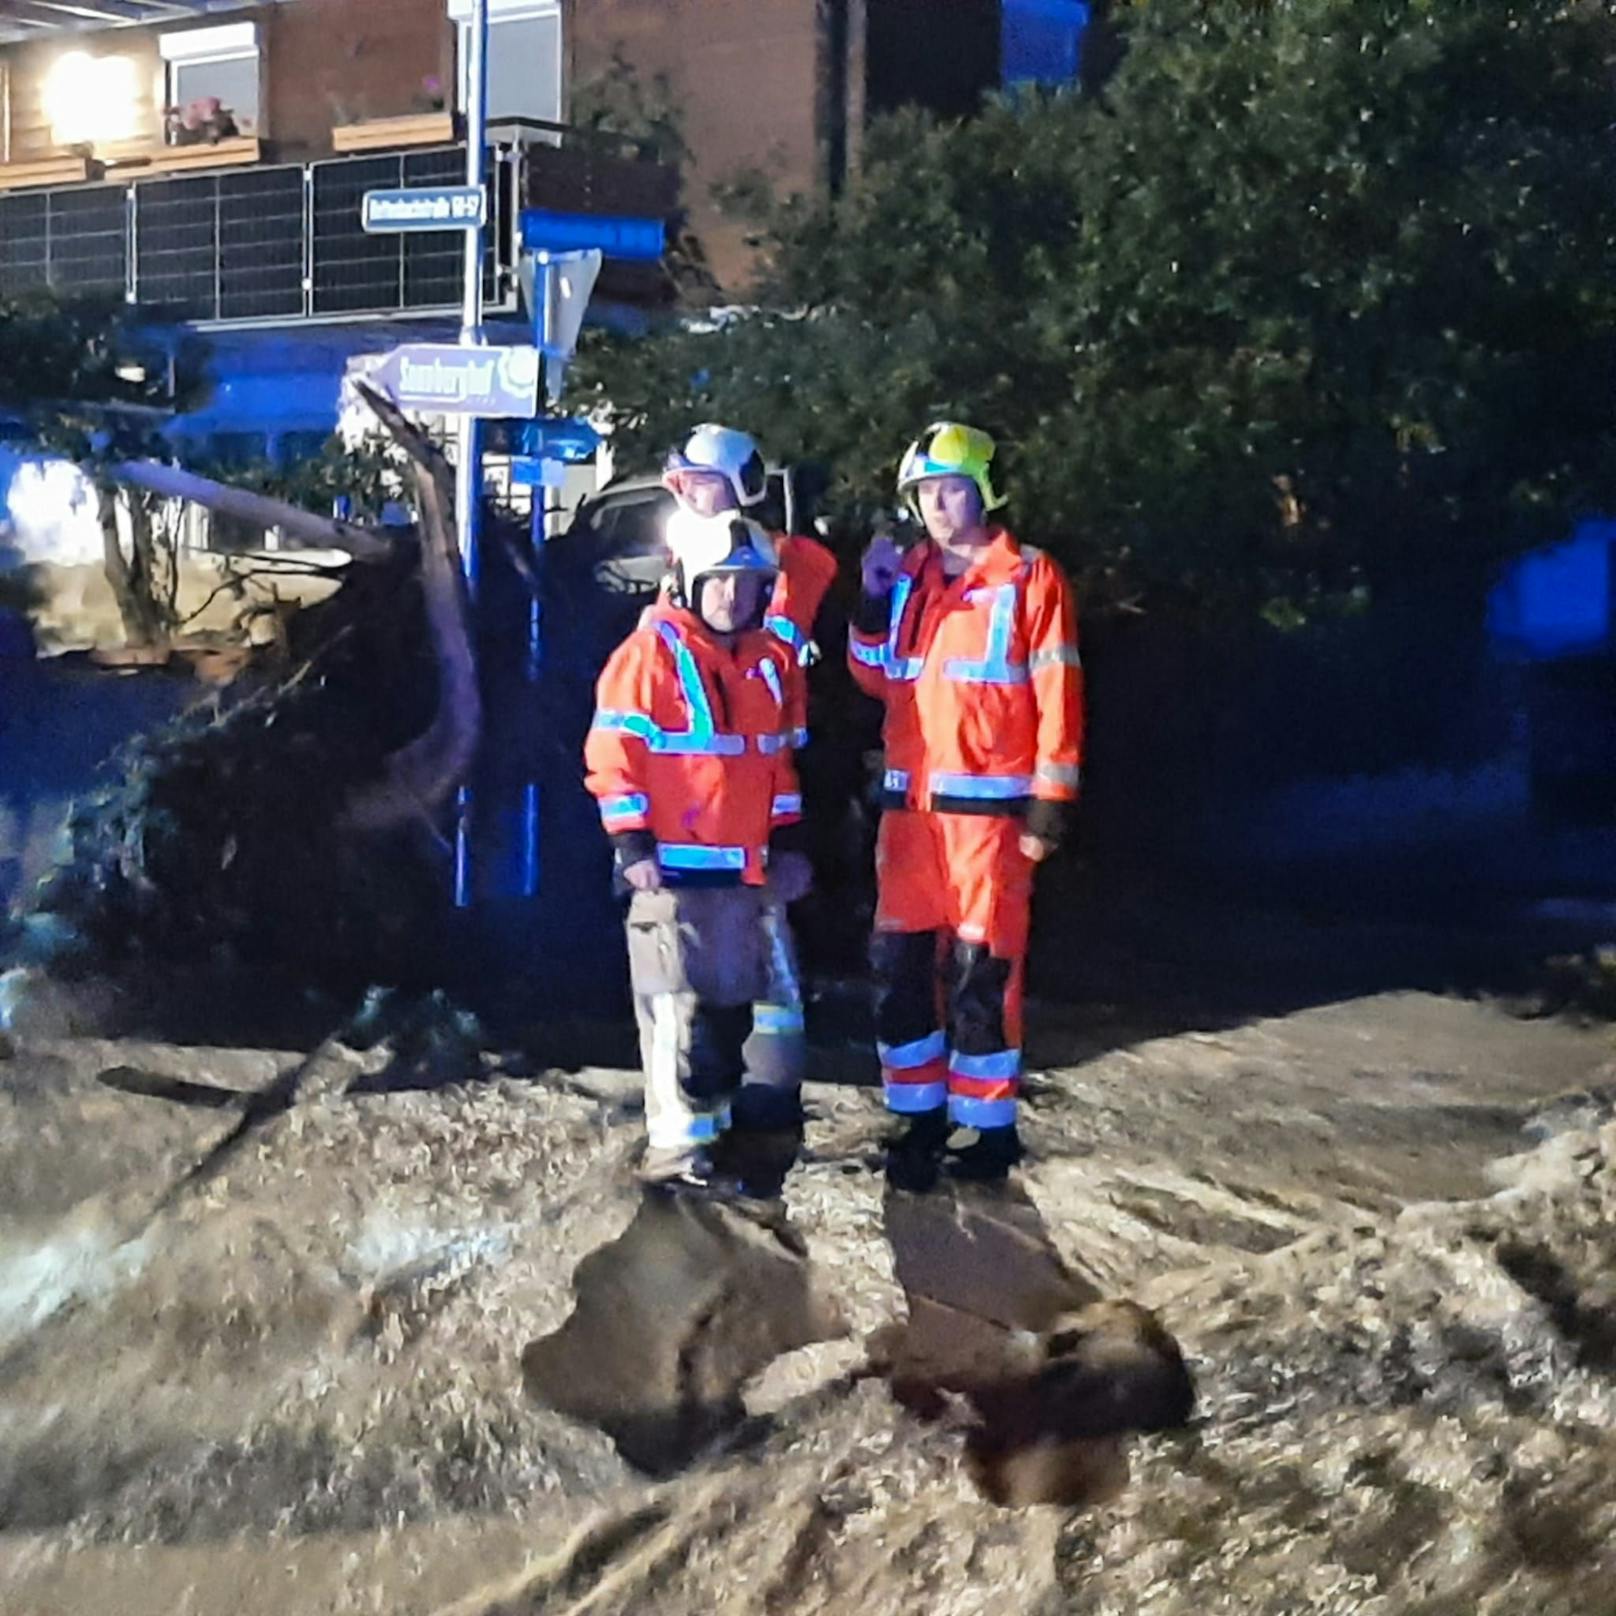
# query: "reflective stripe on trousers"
[912,1074]
[777,1052]
[982,1089]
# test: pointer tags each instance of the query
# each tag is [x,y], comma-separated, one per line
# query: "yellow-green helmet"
[950,449]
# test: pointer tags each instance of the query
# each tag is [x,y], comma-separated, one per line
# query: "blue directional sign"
[573,441]
[426,207]
[441,379]
[530,473]
[639,240]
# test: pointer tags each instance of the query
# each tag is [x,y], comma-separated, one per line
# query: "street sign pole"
[468,477]
[540,532]
[566,251]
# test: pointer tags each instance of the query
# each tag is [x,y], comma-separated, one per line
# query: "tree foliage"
[1309,296]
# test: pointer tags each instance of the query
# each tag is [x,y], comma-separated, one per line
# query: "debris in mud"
[672,1319]
[1055,1378]
[1580,984]
[298,1389]
[213,849]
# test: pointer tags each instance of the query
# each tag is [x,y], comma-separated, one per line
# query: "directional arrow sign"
[428,207]
[636,239]
[441,379]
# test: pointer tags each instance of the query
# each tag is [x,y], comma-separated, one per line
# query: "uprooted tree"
[1307,298]
[87,387]
[92,387]
[281,835]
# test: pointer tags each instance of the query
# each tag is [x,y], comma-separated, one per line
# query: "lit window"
[213,84]
[524,57]
[1042,41]
[90,98]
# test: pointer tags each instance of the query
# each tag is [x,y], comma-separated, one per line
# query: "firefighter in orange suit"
[970,641]
[690,758]
[717,469]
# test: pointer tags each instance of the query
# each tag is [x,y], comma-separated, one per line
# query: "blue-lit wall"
[1042,40]
[1559,601]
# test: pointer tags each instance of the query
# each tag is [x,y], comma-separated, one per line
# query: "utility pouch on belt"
[705,940]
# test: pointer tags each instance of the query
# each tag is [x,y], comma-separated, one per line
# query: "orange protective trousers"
[949,953]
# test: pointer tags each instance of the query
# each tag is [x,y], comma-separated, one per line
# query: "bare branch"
[364,544]
[426,455]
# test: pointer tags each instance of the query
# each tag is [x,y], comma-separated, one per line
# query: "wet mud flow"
[672,1319]
[1054,1376]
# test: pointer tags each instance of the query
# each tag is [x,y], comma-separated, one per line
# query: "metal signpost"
[472,381]
[468,468]
[566,251]
[468,381]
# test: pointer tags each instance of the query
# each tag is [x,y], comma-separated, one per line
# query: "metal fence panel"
[177,246]
[261,227]
[276,243]
[24,243]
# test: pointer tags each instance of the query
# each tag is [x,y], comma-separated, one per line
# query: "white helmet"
[732,454]
[702,546]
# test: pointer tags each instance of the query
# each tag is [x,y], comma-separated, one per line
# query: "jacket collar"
[998,561]
[692,628]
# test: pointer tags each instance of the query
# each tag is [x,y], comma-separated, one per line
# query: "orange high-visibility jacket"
[807,570]
[691,745]
[982,682]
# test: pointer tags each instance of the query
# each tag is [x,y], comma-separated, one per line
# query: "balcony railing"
[282,243]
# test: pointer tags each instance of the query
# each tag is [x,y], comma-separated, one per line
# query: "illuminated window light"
[90,98]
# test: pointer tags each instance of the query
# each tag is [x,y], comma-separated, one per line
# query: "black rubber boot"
[915,1154]
[987,1159]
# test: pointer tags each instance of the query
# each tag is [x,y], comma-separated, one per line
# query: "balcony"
[275,243]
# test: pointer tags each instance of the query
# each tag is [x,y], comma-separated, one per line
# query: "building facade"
[125,123]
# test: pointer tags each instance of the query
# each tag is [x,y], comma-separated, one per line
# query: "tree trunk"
[174,482]
[135,608]
[419,777]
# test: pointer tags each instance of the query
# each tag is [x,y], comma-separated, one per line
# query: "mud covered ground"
[387,1352]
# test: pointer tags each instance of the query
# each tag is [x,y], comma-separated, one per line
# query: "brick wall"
[746,74]
[337,61]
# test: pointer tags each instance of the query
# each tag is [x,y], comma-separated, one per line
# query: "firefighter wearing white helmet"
[690,758]
[716,470]
[736,554]
[724,456]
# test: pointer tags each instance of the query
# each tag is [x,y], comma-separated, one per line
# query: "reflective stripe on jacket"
[691,743]
[982,681]
[807,570]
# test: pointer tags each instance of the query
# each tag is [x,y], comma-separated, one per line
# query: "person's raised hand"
[883,561]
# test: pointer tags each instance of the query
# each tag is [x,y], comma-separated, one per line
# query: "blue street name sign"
[572,441]
[638,240]
[530,473]
[441,379]
[433,207]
